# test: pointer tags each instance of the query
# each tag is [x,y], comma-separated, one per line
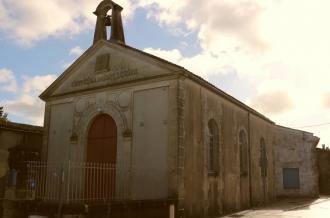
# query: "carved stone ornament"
[74,138]
[124,100]
[127,133]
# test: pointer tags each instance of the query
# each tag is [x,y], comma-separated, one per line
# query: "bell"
[108,20]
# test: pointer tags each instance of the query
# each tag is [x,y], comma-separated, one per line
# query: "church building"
[123,127]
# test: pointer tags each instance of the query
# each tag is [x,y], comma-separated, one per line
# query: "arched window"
[213,147]
[263,158]
[243,148]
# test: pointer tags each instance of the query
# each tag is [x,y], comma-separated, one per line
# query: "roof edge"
[43,96]
[228,97]
[20,127]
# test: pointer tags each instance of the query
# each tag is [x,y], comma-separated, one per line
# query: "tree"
[3,115]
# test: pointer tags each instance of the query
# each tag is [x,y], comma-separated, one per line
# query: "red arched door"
[101,159]
[102,140]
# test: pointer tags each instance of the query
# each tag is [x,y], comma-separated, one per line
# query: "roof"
[19,127]
[178,68]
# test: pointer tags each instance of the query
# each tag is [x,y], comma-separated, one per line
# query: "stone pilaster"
[181,147]
[45,136]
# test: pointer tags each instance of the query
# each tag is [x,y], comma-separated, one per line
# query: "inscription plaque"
[108,77]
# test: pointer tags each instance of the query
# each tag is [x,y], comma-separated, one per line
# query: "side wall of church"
[145,115]
[210,194]
[262,187]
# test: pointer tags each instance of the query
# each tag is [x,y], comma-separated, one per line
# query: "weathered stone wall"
[194,164]
[296,149]
[262,187]
[210,195]
[323,162]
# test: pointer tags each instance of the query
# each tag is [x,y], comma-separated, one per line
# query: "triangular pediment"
[106,64]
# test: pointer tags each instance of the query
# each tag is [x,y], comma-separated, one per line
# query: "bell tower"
[109,15]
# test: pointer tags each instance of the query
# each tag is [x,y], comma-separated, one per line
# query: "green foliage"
[3,115]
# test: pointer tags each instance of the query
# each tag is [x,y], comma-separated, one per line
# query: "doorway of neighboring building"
[101,158]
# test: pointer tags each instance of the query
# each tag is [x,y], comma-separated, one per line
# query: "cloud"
[67,65]
[326,100]
[76,51]
[7,81]
[272,103]
[232,24]
[204,64]
[37,84]
[270,45]
[171,55]
[29,21]
[26,104]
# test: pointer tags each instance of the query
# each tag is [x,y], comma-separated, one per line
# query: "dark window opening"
[263,158]
[243,147]
[213,147]
[291,178]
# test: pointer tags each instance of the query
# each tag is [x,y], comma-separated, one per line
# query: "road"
[291,208]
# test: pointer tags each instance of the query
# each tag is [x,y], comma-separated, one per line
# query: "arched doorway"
[101,159]
[102,140]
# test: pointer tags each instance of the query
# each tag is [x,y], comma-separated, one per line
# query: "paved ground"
[291,208]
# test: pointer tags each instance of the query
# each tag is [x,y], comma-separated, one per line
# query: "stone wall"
[208,195]
[323,162]
[295,149]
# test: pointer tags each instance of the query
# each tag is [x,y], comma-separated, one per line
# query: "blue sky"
[266,53]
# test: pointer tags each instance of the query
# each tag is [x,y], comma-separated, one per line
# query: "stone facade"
[133,106]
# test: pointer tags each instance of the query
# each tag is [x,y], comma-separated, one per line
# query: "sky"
[272,55]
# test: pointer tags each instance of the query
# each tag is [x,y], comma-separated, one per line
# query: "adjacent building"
[296,165]
[323,162]
[19,144]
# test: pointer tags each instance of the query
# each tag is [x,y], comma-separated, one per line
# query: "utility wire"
[314,125]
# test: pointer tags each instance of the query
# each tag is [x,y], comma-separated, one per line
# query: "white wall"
[150,144]
[60,131]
